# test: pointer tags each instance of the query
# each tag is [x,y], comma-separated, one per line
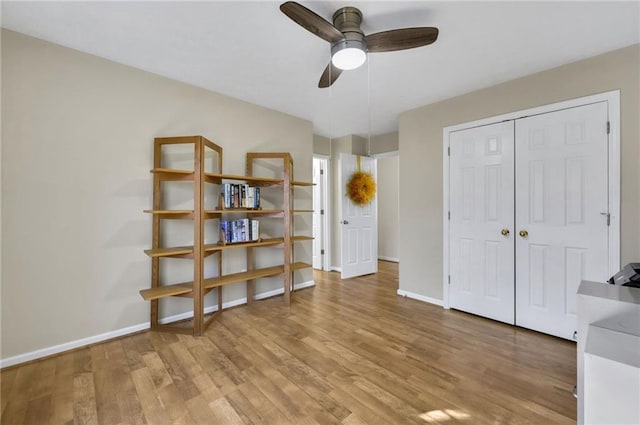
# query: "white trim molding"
[385,154]
[83,342]
[613,106]
[419,297]
[392,259]
[326,218]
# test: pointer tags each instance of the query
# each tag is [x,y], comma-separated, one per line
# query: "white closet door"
[359,223]
[561,204]
[481,191]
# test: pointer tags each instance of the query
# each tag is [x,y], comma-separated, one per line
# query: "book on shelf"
[239,196]
[241,230]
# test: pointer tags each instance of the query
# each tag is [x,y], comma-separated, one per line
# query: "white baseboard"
[56,349]
[44,352]
[420,297]
[392,259]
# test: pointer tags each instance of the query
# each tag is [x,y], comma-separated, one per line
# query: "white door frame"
[613,107]
[389,154]
[326,218]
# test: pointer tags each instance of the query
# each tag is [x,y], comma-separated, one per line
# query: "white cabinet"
[608,354]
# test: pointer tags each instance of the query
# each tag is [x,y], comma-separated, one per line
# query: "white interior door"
[481,222]
[317,216]
[359,224]
[562,205]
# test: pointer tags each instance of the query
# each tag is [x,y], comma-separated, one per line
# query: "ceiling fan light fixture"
[348,54]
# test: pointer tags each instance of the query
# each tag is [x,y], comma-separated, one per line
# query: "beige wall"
[384,143]
[77,148]
[321,145]
[421,153]
[388,208]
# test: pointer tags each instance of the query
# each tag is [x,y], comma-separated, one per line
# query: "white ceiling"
[251,51]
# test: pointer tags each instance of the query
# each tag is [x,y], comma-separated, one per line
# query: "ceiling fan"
[349,45]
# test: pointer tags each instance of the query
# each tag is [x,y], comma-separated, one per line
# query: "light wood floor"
[346,352]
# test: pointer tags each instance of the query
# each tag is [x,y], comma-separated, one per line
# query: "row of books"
[240,196]
[241,230]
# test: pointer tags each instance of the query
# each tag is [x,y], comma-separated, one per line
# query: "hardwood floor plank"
[243,407]
[84,400]
[62,391]
[176,369]
[268,411]
[345,352]
[157,370]
[6,384]
[373,404]
[38,411]
[174,405]
[221,372]
[353,419]
[154,411]
[224,413]
[18,396]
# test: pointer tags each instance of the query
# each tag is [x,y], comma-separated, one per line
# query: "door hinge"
[322,252]
[321,212]
[449,279]
[448,150]
[448,215]
[608,218]
[321,171]
[608,127]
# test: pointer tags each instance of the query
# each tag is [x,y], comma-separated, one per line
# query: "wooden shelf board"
[184,288]
[301,238]
[214,282]
[167,291]
[168,252]
[173,174]
[248,211]
[301,211]
[183,214]
[300,183]
[258,181]
[300,265]
[263,242]
[169,212]
[210,248]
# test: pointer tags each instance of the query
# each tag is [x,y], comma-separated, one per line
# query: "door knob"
[344,222]
[524,233]
[505,232]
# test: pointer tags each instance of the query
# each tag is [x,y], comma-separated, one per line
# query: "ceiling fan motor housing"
[348,20]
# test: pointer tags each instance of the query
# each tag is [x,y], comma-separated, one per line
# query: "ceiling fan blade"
[405,38]
[311,22]
[329,76]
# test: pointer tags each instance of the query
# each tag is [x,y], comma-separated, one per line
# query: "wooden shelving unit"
[200,286]
[289,183]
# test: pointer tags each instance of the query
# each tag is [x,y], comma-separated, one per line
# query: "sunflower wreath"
[361,187]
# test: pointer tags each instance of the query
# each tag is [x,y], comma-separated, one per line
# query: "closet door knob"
[505,232]
[524,233]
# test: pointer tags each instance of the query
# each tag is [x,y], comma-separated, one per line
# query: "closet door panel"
[561,195]
[481,202]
